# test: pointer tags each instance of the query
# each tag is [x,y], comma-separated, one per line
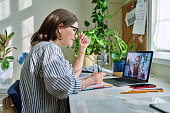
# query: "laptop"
[136,69]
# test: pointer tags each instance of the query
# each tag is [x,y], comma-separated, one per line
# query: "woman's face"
[137,61]
[68,34]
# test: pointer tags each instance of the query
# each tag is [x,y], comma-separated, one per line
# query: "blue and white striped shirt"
[46,80]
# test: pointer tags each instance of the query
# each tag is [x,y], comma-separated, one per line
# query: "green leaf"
[10,35]
[5,64]
[89,51]
[108,32]
[94,20]
[94,1]
[9,58]
[115,57]
[100,18]
[10,49]
[101,42]
[110,16]
[5,33]
[105,26]
[123,55]
[104,4]
[86,23]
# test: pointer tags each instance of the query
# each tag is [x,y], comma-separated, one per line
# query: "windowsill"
[161,58]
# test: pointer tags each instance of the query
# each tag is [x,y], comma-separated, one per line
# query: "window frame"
[160,56]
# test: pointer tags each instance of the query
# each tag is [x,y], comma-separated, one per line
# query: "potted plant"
[6,64]
[119,50]
[99,34]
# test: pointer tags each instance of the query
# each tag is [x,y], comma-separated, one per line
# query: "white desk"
[109,100]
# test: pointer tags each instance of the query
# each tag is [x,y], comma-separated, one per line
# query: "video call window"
[137,65]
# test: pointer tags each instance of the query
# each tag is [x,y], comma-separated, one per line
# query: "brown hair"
[49,28]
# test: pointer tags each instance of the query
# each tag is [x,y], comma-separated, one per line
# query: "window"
[160,26]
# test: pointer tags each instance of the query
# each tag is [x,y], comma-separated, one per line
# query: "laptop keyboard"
[126,80]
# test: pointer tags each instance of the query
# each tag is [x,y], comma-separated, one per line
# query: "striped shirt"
[46,80]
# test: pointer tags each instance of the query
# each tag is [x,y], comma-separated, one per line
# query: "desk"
[109,100]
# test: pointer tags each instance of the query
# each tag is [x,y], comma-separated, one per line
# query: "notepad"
[98,86]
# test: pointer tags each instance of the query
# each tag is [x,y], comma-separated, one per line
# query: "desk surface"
[109,100]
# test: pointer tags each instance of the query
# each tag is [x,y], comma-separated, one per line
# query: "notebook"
[136,69]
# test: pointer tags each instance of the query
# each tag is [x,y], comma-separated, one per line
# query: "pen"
[140,91]
[150,90]
[129,92]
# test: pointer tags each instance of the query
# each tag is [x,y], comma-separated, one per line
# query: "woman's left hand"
[84,41]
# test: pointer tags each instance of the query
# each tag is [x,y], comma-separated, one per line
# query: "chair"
[8,105]
[14,99]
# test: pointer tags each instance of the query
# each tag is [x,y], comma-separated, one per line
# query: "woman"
[134,67]
[47,79]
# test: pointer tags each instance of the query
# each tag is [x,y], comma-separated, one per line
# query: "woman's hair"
[49,28]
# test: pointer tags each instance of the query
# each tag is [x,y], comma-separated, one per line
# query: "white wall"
[24,17]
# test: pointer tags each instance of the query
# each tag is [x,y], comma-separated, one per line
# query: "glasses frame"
[76,30]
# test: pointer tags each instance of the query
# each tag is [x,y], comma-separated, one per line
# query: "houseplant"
[99,34]
[119,50]
[6,69]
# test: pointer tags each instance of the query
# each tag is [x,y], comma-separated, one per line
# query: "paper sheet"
[139,24]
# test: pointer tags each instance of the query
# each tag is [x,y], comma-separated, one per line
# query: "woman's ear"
[59,28]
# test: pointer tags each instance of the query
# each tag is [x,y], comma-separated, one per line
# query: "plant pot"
[89,60]
[7,73]
[118,68]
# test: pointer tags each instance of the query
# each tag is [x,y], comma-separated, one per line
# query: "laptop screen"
[137,65]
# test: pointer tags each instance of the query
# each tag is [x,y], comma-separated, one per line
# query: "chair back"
[14,94]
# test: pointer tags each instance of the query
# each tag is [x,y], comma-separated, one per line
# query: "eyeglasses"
[76,30]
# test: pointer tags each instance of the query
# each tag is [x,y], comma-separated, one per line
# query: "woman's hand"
[84,41]
[98,77]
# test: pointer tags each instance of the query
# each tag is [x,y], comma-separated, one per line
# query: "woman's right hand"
[98,77]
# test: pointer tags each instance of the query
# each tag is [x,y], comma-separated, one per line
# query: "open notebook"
[98,86]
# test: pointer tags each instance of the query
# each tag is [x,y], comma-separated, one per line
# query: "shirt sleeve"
[69,68]
[58,81]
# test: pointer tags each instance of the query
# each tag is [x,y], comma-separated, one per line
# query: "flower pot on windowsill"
[118,68]
[5,74]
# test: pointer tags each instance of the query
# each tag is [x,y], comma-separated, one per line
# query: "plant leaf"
[2,37]
[110,16]
[11,35]
[8,39]
[108,32]
[115,57]
[9,58]
[86,23]
[101,42]
[94,1]
[104,4]
[89,51]
[5,64]
[5,33]
[10,48]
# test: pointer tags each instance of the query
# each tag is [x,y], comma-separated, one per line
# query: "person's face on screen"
[137,61]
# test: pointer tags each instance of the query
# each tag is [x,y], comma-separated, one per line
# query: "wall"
[24,17]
